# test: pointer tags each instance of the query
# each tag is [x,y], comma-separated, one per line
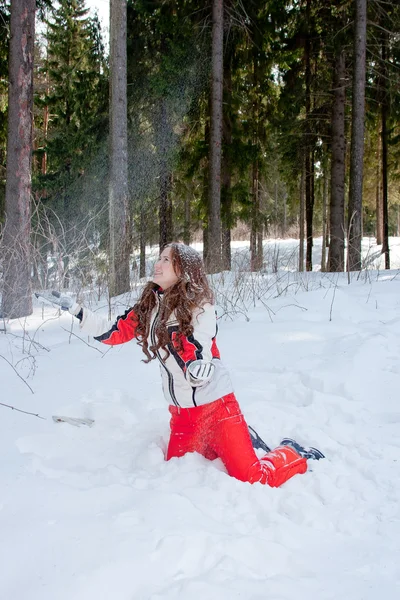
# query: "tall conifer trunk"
[256,229]
[17,297]
[165,210]
[214,255]
[254,216]
[142,240]
[302,216]
[378,203]
[338,167]
[357,137]
[205,196]
[324,216]
[385,133]
[226,191]
[309,208]
[187,219]
[120,238]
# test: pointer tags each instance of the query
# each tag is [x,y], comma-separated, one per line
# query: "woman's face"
[164,274]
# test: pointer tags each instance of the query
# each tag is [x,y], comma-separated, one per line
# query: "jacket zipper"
[153,341]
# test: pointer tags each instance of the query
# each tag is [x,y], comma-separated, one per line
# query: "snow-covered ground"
[97,514]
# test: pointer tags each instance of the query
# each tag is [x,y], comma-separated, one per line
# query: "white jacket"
[180,384]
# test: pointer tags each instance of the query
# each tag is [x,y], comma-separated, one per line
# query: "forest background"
[202,121]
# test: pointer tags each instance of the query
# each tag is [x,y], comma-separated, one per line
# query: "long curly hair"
[191,291]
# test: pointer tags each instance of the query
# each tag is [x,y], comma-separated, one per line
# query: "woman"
[174,321]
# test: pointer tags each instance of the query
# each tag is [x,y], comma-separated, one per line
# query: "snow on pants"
[218,429]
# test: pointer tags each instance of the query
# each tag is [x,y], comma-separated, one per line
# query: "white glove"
[64,302]
[200,371]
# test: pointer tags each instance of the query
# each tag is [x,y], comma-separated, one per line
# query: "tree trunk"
[309,209]
[45,128]
[260,249]
[385,133]
[284,222]
[398,221]
[301,218]
[165,211]
[308,148]
[205,196]
[68,234]
[256,229]
[254,217]
[120,238]
[357,138]
[226,168]
[338,167]
[187,220]
[324,217]
[17,294]
[214,255]
[142,241]
[379,220]
[45,133]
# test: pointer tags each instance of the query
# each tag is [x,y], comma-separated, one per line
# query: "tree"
[387,88]
[309,155]
[167,71]
[338,166]
[118,184]
[73,71]
[357,137]
[226,165]
[381,123]
[71,96]
[164,136]
[303,117]
[4,41]
[17,297]
[385,109]
[214,254]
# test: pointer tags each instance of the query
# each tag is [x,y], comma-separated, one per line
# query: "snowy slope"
[96,513]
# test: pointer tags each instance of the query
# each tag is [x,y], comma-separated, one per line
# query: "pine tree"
[17,297]
[74,67]
[338,51]
[4,39]
[120,235]
[166,75]
[214,249]
[357,136]
[76,101]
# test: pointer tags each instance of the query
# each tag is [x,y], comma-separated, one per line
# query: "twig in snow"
[106,352]
[32,342]
[26,412]
[79,338]
[12,366]
[303,308]
[394,276]
[333,298]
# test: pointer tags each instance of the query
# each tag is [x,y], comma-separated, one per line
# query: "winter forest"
[265,134]
[200,122]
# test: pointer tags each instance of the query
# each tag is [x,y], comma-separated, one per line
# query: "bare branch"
[26,412]
[14,369]
[79,338]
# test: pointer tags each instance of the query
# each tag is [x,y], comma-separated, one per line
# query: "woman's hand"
[64,302]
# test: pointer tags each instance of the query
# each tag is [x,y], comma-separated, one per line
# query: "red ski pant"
[219,430]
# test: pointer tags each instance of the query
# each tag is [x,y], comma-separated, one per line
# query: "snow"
[94,513]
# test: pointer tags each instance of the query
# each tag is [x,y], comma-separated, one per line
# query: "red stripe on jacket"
[123,331]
